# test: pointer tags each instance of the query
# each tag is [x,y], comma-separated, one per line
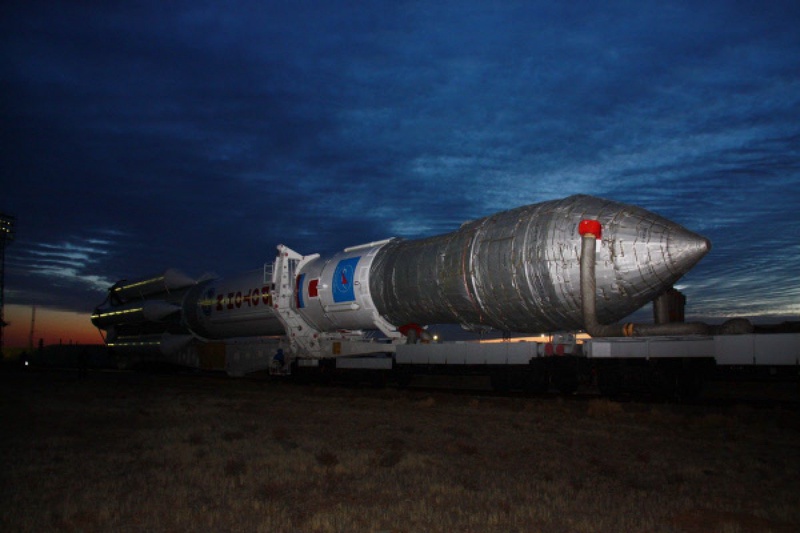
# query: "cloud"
[138,137]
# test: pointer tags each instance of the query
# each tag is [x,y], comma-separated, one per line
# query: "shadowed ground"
[135,452]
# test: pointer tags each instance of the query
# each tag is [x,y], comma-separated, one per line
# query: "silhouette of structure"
[6,237]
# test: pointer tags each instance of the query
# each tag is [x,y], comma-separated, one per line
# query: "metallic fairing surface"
[519,270]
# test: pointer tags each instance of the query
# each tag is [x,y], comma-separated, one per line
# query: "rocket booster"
[518,270]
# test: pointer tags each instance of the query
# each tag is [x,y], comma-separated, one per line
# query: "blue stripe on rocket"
[298,291]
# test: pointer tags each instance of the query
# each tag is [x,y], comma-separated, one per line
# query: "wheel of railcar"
[565,378]
[609,379]
[536,382]
[537,378]
[403,377]
[378,379]
[298,374]
[660,380]
[691,380]
[567,384]
[325,371]
[500,381]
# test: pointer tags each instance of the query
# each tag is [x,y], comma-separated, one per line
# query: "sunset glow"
[52,326]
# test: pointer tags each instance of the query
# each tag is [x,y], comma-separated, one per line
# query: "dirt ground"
[112,451]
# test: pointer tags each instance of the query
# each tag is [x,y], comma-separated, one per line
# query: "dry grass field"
[134,452]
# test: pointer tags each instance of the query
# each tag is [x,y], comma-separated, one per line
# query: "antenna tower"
[6,236]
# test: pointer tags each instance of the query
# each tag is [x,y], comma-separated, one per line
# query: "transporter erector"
[518,271]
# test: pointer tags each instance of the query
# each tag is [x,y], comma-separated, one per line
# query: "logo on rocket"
[342,283]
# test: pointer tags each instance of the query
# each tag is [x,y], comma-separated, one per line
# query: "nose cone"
[642,255]
[684,249]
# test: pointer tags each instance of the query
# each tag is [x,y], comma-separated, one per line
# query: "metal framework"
[6,237]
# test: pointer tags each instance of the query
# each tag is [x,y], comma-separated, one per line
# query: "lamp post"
[6,236]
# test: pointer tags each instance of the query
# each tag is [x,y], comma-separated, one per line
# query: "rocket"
[516,271]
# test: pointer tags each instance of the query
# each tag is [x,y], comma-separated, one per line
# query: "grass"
[131,452]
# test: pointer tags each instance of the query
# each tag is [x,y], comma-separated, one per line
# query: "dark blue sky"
[143,135]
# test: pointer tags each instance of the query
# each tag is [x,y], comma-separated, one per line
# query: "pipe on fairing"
[591,231]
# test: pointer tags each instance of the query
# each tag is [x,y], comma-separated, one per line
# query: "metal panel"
[476,354]
[521,353]
[734,349]
[367,363]
[764,349]
[423,354]
[667,347]
[649,347]
[466,353]
[247,356]
[778,349]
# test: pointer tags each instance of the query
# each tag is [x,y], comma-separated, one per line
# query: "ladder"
[304,339]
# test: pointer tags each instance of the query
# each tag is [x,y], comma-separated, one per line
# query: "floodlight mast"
[6,236]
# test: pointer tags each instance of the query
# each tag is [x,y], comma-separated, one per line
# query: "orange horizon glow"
[69,327]
[544,337]
[52,326]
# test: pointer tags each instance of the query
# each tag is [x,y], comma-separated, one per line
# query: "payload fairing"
[517,270]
